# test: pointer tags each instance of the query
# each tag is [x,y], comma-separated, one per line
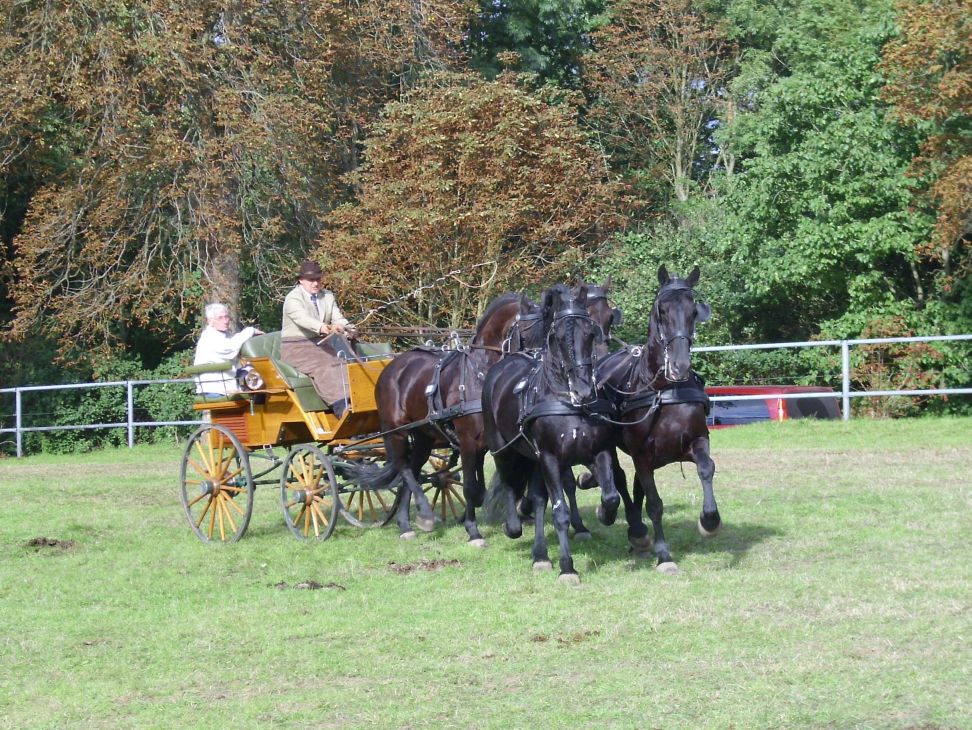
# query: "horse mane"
[503,300]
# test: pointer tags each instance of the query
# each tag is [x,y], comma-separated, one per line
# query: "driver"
[310,314]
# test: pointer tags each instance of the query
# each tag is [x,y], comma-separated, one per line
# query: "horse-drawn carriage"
[540,413]
[277,407]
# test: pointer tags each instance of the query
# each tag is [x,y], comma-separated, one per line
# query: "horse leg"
[638,537]
[510,477]
[604,471]
[537,494]
[709,519]
[556,475]
[580,529]
[655,510]
[399,453]
[425,520]
[474,491]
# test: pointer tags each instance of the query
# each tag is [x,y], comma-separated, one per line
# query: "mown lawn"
[838,594]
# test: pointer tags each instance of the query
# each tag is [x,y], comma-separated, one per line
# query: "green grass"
[838,594]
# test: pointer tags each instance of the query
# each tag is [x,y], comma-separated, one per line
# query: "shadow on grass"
[610,544]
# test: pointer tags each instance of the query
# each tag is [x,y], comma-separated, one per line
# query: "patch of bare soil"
[576,638]
[423,564]
[40,543]
[308,585]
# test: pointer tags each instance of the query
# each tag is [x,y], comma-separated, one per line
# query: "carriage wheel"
[442,483]
[309,493]
[217,485]
[366,507]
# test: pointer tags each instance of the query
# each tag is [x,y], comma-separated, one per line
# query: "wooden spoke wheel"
[364,506]
[217,485]
[441,481]
[309,493]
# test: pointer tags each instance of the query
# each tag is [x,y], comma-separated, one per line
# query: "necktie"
[314,299]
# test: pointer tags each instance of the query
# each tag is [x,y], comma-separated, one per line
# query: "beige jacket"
[301,321]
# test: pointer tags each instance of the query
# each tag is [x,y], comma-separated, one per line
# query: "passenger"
[215,346]
[310,314]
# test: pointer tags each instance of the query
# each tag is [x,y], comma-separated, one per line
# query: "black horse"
[536,413]
[662,406]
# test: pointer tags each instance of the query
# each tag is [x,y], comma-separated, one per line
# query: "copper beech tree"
[189,146]
[469,188]
[929,70]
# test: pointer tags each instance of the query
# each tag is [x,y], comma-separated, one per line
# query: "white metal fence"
[845,393]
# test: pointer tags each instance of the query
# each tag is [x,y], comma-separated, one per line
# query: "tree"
[657,75]
[929,70]
[198,144]
[819,210]
[543,37]
[482,179]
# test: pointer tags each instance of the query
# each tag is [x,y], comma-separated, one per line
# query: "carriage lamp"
[248,378]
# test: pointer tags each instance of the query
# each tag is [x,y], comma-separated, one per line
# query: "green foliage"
[632,261]
[820,214]
[543,37]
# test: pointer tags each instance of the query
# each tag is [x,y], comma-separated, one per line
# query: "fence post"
[131,414]
[845,372]
[19,424]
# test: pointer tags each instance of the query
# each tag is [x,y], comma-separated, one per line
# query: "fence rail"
[845,393]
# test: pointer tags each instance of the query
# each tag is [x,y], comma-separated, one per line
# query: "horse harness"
[528,389]
[441,415]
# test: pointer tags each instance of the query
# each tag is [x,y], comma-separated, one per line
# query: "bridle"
[569,366]
[523,323]
[664,339]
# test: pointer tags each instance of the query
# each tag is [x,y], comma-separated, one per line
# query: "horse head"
[572,336]
[600,309]
[671,328]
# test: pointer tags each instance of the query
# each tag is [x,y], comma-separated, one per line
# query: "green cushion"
[232,398]
[213,367]
[371,349]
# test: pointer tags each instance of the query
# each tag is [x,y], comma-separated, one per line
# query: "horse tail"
[369,474]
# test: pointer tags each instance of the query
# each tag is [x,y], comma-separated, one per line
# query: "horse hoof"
[582,535]
[542,566]
[708,533]
[668,568]
[478,543]
[425,524]
[569,579]
[605,517]
[642,547]
[586,481]
[410,535]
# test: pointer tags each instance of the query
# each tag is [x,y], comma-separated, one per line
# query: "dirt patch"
[41,543]
[307,585]
[575,638]
[423,564]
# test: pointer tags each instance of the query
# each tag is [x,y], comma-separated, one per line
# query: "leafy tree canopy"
[483,178]
[819,213]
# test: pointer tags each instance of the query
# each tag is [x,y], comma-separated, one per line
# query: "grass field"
[838,595]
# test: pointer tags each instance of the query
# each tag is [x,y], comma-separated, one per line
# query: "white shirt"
[216,347]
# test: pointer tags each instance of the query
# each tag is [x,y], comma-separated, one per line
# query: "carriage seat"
[268,345]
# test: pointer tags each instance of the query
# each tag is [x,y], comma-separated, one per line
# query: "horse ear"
[663,277]
[702,312]
[607,284]
[693,278]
